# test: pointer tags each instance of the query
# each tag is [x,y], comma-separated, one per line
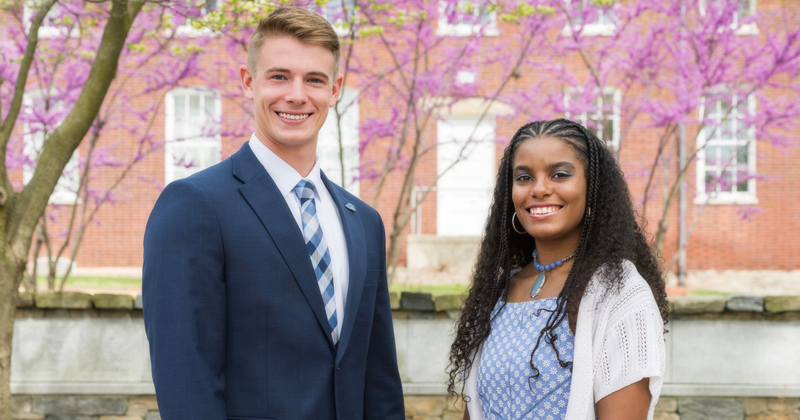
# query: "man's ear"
[247,81]
[337,90]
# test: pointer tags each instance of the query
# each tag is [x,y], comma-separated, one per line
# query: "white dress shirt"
[286,178]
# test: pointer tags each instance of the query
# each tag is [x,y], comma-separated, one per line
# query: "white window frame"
[174,142]
[66,190]
[328,143]
[594,28]
[332,10]
[745,29]
[615,117]
[748,197]
[462,29]
[186,29]
[48,31]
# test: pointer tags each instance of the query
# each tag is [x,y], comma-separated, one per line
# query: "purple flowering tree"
[418,61]
[70,73]
[705,78]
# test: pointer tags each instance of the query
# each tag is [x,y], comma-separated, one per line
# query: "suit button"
[338,367]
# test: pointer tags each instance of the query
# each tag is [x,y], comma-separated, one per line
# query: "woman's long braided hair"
[611,233]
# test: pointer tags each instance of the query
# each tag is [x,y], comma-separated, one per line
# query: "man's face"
[292,88]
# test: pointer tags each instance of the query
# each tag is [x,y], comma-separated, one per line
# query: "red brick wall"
[720,240]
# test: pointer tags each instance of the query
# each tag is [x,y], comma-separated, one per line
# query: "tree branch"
[60,145]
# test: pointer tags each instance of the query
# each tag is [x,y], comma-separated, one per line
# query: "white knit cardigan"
[619,340]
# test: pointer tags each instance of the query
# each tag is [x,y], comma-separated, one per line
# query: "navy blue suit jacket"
[235,320]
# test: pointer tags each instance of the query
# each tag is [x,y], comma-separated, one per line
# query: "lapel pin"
[350,206]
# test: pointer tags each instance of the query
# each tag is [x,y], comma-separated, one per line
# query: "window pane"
[210,106]
[741,155]
[727,128]
[744,8]
[194,106]
[180,106]
[711,155]
[710,183]
[726,155]
[592,126]
[608,131]
[726,181]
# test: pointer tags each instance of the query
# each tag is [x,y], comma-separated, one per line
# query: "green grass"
[93,282]
[707,293]
[434,289]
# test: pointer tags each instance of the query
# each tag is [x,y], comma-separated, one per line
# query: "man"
[265,293]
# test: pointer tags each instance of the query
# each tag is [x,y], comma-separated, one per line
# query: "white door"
[464,191]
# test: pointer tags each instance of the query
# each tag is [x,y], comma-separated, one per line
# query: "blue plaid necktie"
[317,250]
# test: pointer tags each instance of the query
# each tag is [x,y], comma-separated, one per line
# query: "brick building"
[747,224]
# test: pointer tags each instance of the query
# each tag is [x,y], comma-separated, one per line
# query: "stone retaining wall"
[84,357]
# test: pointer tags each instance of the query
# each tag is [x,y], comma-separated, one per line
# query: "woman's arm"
[629,403]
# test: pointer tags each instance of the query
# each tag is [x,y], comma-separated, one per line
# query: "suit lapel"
[356,249]
[263,196]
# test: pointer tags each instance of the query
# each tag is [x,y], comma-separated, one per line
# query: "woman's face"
[549,191]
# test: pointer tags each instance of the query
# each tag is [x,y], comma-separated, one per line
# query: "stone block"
[710,409]
[667,405]
[29,313]
[425,405]
[745,303]
[783,405]
[772,416]
[138,302]
[20,403]
[394,300]
[136,410]
[69,405]
[153,416]
[698,304]
[666,416]
[415,301]
[27,416]
[452,415]
[150,402]
[455,404]
[782,303]
[755,406]
[65,300]
[25,300]
[448,302]
[112,301]
[57,417]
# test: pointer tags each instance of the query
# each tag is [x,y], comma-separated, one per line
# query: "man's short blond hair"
[305,25]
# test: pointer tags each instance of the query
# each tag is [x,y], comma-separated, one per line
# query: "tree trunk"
[10,278]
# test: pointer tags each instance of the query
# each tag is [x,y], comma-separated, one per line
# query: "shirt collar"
[285,177]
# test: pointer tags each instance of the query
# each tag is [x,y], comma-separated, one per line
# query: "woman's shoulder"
[631,279]
[630,291]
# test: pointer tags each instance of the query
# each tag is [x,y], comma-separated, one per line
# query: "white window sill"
[465,30]
[591,29]
[190,32]
[748,29]
[63,200]
[47,32]
[725,200]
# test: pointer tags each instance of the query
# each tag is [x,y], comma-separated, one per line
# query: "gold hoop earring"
[513,226]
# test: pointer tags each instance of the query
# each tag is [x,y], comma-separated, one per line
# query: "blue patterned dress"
[504,371]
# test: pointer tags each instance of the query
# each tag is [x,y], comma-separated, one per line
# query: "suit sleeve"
[383,399]
[183,293]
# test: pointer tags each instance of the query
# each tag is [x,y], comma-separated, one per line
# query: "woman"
[566,313]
